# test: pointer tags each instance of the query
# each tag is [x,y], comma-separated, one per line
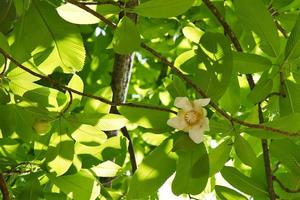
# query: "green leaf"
[76,15]
[192,168]
[88,134]
[243,183]
[287,152]
[247,63]
[106,169]
[219,156]
[104,122]
[261,90]
[254,14]
[163,8]
[177,88]
[62,37]
[80,186]
[289,104]
[213,63]
[225,193]
[244,151]
[60,153]
[3,45]
[154,119]
[292,48]
[154,170]
[192,33]
[126,37]
[77,84]
[288,123]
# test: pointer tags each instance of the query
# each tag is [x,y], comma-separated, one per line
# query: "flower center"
[192,117]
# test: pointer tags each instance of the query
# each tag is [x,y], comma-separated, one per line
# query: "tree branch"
[66,88]
[251,83]
[3,188]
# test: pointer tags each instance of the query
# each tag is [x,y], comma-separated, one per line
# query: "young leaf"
[154,170]
[244,151]
[292,48]
[106,169]
[219,156]
[163,8]
[225,193]
[192,33]
[254,14]
[243,183]
[287,152]
[126,37]
[192,168]
[250,63]
[82,185]
[76,15]
[142,117]
[261,91]
[62,37]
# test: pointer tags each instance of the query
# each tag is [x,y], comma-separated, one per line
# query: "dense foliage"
[56,121]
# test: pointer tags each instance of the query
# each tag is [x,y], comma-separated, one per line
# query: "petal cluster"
[191,118]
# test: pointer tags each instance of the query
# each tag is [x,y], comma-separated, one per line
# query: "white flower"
[191,118]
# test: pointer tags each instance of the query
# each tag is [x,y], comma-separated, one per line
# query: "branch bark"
[120,82]
[3,188]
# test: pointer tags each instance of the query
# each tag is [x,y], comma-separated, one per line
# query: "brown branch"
[130,149]
[286,189]
[64,87]
[3,188]
[251,83]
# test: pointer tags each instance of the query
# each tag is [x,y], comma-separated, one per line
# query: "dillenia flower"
[191,118]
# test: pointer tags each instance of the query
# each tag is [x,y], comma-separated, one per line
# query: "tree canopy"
[108,99]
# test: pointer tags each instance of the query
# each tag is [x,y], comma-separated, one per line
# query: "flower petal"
[196,134]
[205,124]
[201,102]
[183,103]
[177,123]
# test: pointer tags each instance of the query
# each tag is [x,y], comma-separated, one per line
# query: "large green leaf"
[287,152]
[213,63]
[243,183]
[126,37]
[292,49]
[60,153]
[250,63]
[56,43]
[254,14]
[76,15]
[261,90]
[148,119]
[286,123]
[163,8]
[192,167]
[289,104]
[244,151]
[80,186]
[219,156]
[225,193]
[154,170]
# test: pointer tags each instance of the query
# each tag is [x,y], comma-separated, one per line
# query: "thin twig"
[64,87]
[130,149]
[284,187]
